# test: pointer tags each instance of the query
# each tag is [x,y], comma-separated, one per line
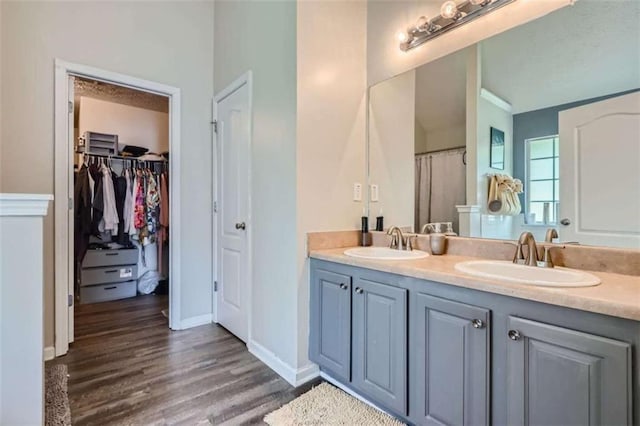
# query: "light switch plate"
[375,196]
[357,192]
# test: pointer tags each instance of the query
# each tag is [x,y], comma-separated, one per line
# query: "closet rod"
[121,157]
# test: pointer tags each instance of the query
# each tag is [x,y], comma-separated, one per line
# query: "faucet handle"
[518,256]
[408,244]
[546,261]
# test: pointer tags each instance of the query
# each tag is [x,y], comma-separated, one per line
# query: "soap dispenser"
[365,235]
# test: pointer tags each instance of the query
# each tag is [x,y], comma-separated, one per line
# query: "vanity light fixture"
[452,15]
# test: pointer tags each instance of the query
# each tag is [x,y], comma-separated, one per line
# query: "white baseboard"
[195,321]
[295,377]
[306,374]
[49,353]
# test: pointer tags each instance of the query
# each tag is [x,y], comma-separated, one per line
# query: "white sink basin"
[385,253]
[523,274]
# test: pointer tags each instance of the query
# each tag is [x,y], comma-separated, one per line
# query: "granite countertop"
[618,295]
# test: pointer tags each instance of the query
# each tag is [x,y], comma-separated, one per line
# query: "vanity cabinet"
[561,376]
[449,362]
[438,354]
[330,313]
[359,335]
[380,343]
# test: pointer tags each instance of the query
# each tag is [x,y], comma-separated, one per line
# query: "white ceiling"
[583,51]
[441,92]
[579,52]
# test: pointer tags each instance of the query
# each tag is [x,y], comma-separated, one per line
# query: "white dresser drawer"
[109,274]
[105,292]
[97,258]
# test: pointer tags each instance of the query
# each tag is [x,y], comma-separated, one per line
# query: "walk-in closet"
[121,194]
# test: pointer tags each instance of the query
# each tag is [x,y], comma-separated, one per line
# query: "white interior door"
[233,218]
[600,172]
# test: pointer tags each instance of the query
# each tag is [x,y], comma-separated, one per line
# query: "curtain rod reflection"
[459,148]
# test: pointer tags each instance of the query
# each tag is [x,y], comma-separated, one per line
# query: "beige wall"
[420,138]
[331,111]
[392,148]
[385,18]
[308,146]
[134,126]
[446,138]
[261,37]
[167,42]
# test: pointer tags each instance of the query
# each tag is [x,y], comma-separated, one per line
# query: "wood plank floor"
[127,367]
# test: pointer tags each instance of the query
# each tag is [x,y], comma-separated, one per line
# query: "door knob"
[565,222]
[241,225]
[514,335]
[477,323]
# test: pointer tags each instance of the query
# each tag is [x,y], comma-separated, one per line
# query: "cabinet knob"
[359,290]
[477,323]
[514,335]
[344,286]
[565,222]
[241,225]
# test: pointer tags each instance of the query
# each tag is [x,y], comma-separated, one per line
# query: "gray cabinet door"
[330,328]
[380,343]
[558,376]
[449,362]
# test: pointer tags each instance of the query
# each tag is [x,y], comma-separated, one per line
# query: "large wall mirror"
[535,128]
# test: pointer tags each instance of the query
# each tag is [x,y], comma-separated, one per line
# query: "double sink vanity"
[492,143]
[456,339]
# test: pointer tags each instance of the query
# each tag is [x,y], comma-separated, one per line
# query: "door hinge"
[70,300]
[215,207]
[215,126]
[70,203]
[215,286]
[70,107]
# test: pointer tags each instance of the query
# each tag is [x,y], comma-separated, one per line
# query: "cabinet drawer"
[110,274]
[105,292]
[96,258]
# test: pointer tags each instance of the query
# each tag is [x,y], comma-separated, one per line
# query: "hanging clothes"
[120,187]
[139,221]
[82,213]
[152,200]
[163,228]
[128,204]
[98,204]
[109,222]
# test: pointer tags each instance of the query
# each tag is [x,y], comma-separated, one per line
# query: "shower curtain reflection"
[440,186]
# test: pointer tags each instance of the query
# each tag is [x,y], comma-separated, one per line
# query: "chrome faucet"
[550,235]
[398,240]
[532,252]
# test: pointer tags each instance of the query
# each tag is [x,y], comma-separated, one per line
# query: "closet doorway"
[116,191]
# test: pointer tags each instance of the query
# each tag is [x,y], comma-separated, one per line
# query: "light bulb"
[449,10]
[422,23]
[402,36]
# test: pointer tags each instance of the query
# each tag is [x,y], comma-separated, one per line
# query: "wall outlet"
[374,193]
[357,192]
